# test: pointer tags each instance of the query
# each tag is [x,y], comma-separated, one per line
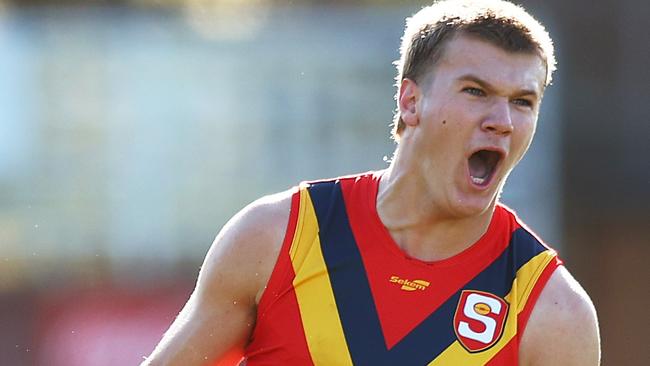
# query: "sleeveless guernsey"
[343,293]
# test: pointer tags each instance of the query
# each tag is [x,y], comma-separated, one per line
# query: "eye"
[474,91]
[523,102]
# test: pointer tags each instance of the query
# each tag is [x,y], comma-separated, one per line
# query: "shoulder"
[259,221]
[246,249]
[216,320]
[563,326]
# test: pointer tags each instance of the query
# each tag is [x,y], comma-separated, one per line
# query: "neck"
[421,227]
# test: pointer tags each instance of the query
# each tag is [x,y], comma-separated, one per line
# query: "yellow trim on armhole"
[318,311]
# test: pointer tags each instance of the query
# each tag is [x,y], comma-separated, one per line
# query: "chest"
[347,300]
[357,301]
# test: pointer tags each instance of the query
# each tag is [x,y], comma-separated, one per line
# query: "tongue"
[478,167]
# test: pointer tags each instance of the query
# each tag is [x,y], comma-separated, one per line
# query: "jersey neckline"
[384,238]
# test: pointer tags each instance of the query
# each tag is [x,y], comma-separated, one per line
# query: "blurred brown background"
[131,130]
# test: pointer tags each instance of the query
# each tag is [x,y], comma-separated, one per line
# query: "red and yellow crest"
[479,320]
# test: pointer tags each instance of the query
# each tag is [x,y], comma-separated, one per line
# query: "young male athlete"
[418,264]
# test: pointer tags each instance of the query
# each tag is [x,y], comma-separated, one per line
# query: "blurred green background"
[131,130]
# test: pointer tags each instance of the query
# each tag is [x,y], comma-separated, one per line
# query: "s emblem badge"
[479,319]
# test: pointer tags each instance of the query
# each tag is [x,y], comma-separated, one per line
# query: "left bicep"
[563,327]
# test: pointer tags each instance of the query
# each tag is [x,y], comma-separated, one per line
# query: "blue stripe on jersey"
[348,278]
[354,299]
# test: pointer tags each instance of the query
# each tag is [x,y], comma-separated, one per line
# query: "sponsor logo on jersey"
[479,320]
[410,285]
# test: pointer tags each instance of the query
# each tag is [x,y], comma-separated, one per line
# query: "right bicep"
[215,321]
[200,336]
[218,319]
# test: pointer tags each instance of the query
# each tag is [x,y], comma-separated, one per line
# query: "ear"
[409,95]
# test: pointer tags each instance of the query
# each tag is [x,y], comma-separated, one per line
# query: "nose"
[498,120]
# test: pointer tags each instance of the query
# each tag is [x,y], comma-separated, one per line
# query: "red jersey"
[343,293]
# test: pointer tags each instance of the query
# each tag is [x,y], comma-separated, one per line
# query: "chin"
[473,206]
[471,211]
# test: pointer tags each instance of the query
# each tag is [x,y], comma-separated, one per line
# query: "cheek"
[523,136]
[452,118]
[447,127]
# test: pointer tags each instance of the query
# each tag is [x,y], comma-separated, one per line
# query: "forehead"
[465,55]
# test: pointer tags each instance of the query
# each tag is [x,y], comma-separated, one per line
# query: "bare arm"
[218,319]
[563,327]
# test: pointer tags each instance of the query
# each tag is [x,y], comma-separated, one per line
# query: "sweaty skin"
[477,97]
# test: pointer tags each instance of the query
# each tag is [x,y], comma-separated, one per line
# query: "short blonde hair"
[498,22]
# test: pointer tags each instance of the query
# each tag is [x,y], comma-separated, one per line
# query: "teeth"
[478,181]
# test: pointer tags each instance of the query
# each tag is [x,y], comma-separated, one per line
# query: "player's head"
[497,22]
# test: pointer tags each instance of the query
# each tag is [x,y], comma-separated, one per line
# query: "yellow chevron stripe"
[320,317]
[530,275]
[527,275]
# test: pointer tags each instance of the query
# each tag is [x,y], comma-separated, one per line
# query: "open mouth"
[482,165]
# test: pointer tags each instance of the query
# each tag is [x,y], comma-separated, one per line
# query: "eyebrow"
[486,85]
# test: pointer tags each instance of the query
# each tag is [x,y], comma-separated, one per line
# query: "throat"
[417,223]
[432,242]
